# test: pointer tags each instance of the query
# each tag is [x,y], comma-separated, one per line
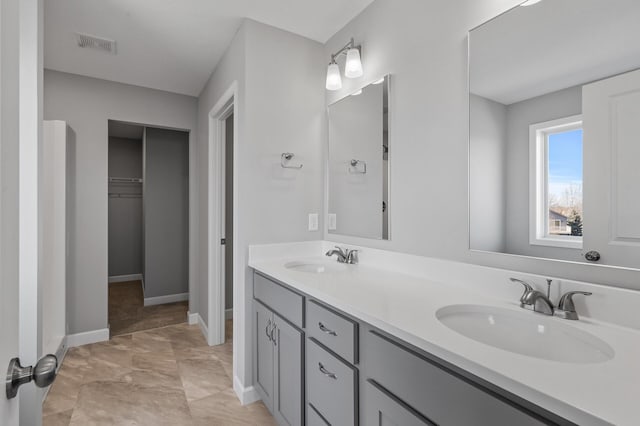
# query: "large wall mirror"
[358,166]
[554,150]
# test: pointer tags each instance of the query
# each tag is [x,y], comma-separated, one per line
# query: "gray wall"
[520,116]
[487,170]
[166,212]
[86,104]
[281,109]
[125,214]
[423,44]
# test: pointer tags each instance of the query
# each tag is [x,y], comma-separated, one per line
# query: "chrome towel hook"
[284,161]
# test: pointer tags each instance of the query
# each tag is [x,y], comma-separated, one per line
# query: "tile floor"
[165,376]
[127,312]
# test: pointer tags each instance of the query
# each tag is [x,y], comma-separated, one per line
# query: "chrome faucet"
[344,255]
[537,301]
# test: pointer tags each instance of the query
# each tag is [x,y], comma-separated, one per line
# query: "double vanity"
[344,344]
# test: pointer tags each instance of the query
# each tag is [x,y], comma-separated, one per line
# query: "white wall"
[280,80]
[487,174]
[423,44]
[86,104]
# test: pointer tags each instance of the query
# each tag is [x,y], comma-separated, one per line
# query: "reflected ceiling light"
[359,92]
[352,68]
[380,81]
[334,81]
[530,2]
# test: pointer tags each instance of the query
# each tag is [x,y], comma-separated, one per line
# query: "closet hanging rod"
[124,195]
[125,180]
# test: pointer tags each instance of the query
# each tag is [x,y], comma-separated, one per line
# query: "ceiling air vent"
[97,43]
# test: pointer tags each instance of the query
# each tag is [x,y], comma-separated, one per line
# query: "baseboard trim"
[87,338]
[203,328]
[228,314]
[161,300]
[125,278]
[192,318]
[246,395]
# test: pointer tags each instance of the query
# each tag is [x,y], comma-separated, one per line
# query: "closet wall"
[125,208]
[166,215]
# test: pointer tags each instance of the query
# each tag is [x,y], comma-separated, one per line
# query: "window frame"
[538,183]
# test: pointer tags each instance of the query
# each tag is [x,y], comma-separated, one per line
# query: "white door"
[20,124]
[611,114]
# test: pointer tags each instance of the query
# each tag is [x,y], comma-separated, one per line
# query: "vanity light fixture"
[352,68]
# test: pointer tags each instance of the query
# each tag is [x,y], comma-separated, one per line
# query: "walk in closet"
[148,189]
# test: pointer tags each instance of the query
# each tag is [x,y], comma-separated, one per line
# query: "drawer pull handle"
[266,330]
[326,372]
[326,330]
[273,329]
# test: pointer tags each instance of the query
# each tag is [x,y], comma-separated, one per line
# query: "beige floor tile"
[164,376]
[57,419]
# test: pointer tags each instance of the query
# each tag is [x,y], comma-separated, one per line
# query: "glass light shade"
[334,81]
[353,67]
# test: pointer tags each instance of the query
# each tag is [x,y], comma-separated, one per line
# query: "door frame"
[225,106]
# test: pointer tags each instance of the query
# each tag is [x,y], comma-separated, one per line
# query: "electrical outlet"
[332,221]
[313,221]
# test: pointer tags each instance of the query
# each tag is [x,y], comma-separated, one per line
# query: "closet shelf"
[125,180]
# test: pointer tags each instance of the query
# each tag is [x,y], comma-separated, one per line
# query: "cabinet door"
[384,409]
[263,352]
[289,373]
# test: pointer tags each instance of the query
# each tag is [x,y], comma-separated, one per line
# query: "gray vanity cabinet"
[264,353]
[278,348]
[288,401]
[356,374]
[383,409]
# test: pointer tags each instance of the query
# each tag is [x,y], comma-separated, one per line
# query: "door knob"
[592,256]
[42,374]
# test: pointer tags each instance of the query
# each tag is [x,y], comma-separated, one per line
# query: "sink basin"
[315,267]
[525,333]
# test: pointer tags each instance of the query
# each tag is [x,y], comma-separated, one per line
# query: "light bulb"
[353,67]
[334,81]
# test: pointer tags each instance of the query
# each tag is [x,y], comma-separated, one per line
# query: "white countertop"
[405,306]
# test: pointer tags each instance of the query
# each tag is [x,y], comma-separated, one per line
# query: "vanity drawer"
[333,330]
[331,386]
[286,303]
[435,392]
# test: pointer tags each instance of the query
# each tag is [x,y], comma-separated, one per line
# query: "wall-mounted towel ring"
[357,166]
[284,161]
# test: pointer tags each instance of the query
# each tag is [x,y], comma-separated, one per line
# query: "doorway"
[228,224]
[148,220]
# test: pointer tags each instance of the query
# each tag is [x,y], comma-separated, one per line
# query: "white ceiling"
[552,45]
[174,45]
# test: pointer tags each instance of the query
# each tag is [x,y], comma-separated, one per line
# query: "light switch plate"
[332,221]
[313,221]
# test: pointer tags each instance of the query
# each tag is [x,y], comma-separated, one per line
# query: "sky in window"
[565,162]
